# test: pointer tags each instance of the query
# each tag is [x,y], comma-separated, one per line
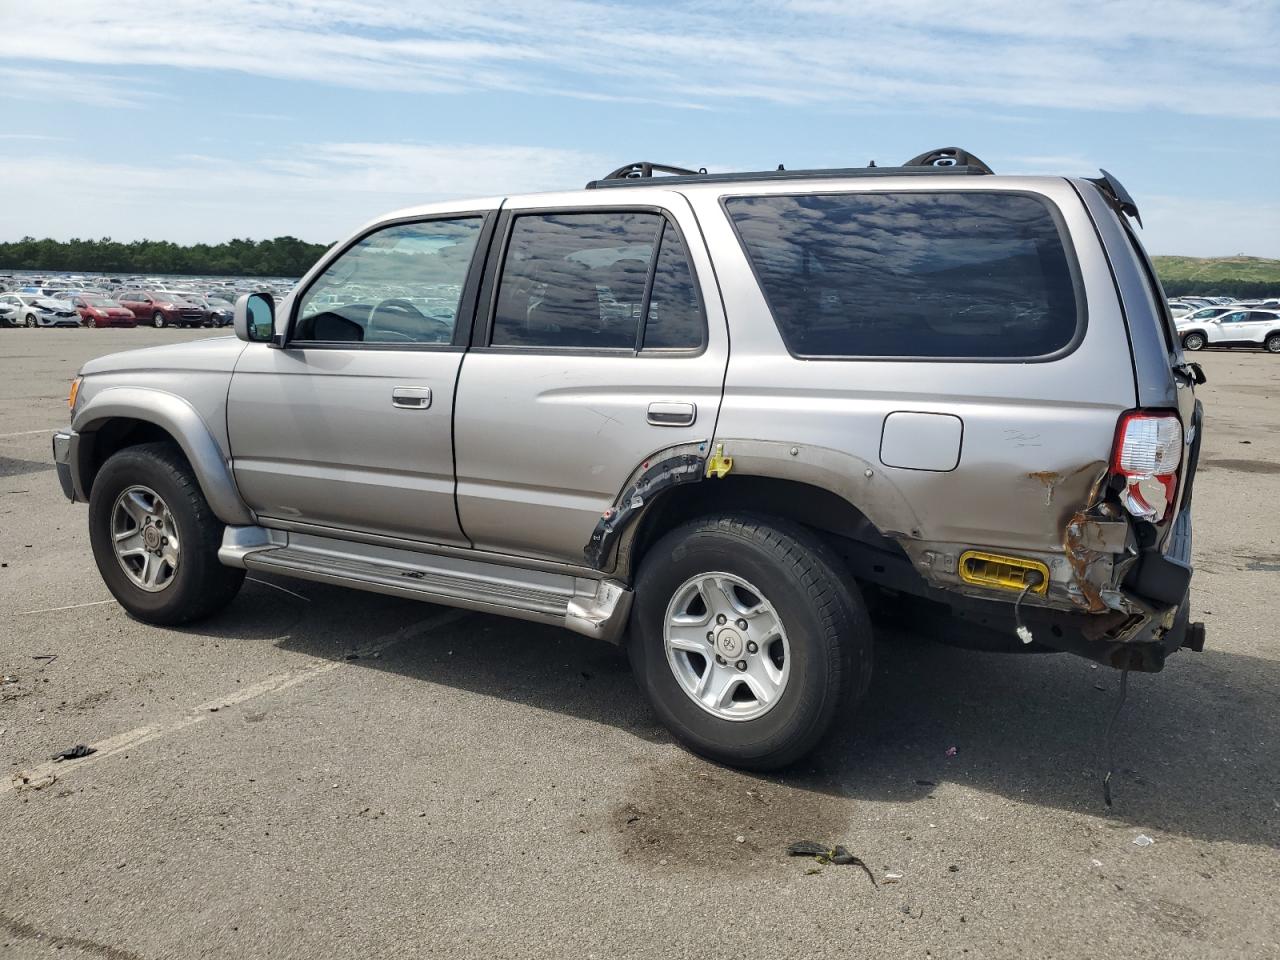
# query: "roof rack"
[944,160]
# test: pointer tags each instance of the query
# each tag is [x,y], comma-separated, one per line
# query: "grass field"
[1198,271]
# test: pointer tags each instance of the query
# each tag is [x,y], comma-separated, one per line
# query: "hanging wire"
[1111,737]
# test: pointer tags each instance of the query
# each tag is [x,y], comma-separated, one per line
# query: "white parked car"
[1233,328]
[39,311]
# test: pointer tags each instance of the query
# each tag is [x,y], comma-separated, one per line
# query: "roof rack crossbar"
[644,169]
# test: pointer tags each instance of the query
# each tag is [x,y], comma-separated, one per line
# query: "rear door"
[604,343]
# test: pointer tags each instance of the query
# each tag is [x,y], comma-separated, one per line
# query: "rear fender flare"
[868,489]
[180,420]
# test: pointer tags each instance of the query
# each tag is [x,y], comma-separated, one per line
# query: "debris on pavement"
[7,679]
[952,751]
[74,753]
[892,877]
[24,780]
[826,854]
[1142,840]
[48,658]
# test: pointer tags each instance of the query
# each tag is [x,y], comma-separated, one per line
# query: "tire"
[31,320]
[1193,341]
[1273,343]
[198,585]
[828,640]
[157,320]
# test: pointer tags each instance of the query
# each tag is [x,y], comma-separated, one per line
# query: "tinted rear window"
[938,275]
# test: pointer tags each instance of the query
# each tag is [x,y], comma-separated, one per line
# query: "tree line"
[291,257]
[281,257]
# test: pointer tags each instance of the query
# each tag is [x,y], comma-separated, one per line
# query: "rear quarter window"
[929,275]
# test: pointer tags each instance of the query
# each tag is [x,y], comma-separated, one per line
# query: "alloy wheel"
[726,646]
[145,538]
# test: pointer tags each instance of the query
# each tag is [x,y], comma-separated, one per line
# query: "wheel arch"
[120,417]
[824,490]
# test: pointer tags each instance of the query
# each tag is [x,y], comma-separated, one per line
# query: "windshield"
[101,302]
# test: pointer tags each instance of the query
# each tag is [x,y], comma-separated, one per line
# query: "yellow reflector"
[1001,572]
[75,391]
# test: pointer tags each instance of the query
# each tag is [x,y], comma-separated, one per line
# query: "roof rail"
[945,160]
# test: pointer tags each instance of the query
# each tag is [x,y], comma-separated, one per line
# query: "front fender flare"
[180,420]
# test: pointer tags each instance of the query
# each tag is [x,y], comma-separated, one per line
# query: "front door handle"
[670,413]
[411,398]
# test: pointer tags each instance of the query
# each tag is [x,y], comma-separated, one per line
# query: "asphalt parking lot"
[471,786]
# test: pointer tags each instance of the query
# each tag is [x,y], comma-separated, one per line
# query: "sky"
[191,120]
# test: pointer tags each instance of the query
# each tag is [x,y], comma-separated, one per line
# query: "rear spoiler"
[1116,195]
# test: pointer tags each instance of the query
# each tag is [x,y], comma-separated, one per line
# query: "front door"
[348,427]
[604,343]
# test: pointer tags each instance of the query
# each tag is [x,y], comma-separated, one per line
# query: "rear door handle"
[671,413]
[411,398]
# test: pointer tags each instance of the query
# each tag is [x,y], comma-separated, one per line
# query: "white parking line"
[274,586]
[74,606]
[202,712]
[28,433]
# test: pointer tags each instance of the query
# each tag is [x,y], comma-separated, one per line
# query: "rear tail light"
[1147,455]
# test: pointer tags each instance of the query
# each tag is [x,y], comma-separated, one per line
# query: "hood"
[216,354]
[51,303]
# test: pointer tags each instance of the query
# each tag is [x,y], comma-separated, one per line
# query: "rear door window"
[617,281]
[913,275]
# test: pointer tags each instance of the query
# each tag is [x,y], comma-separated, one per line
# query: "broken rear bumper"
[1155,622]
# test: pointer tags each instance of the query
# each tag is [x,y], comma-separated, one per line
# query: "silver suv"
[714,417]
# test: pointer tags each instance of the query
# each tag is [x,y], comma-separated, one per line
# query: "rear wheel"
[1193,341]
[1273,343]
[157,320]
[747,639]
[156,540]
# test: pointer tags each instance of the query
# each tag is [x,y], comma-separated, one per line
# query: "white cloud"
[95,89]
[1186,57]
[326,195]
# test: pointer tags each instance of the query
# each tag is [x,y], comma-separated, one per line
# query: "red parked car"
[103,312]
[161,310]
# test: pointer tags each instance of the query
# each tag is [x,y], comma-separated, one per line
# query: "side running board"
[592,607]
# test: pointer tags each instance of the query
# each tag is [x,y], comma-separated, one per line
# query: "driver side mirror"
[255,318]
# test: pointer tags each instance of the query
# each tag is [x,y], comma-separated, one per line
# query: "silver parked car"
[713,417]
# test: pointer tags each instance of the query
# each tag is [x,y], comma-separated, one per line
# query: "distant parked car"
[1204,314]
[1235,328]
[97,311]
[153,307]
[10,311]
[35,310]
[218,312]
[221,312]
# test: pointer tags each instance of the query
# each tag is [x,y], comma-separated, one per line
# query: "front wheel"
[156,540]
[31,320]
[157,320]
[747,638]
[1273,343]
[1193,341]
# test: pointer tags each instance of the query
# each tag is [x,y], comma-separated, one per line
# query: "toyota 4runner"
[713,417]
